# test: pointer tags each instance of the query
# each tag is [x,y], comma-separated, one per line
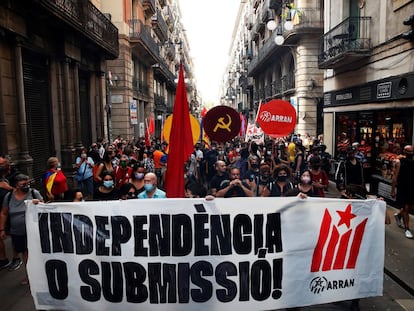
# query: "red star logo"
[346,216]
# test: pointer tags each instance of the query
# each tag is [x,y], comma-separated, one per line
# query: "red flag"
[151,125]
[180,143]
[147,134]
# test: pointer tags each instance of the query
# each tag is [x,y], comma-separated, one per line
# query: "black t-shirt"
[235,191]
[354,173]
[217,180]
[277,191]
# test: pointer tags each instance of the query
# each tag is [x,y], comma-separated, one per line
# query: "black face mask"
[25,189]
[282,178]
[255,166]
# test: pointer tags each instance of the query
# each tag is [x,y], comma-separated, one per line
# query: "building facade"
[367,54]
[52,80]
[274,55]
[143,79]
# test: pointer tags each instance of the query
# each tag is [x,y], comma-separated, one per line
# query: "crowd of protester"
[130,169]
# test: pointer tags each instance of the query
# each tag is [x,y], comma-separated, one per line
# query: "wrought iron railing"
[162,66]
[276,87]
[350,36]
[139,31]
[159,25]
[288,82]
[308,18]
[88,20]
[140,87]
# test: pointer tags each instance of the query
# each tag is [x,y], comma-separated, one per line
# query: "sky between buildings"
[209,26]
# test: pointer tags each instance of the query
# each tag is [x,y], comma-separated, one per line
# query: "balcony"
[142,43]
[88,21]
[248,21]
[346,43]
[163,73]
[169,18]
[170,51]
[160,104]
[159,26]
[305,20]
[309,20]
[149,7]
[140,87]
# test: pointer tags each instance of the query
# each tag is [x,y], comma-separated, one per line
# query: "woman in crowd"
[320,180]
[15,208]
[281,185]
[106,166]
[54,181]
[304,186]
[137,178]
[300,163]
[264,179]
[128,192]
[106,191]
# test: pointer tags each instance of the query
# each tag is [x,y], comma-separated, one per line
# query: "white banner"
[186,254]
[254,133]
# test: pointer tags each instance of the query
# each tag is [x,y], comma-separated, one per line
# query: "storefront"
[379,116]
[381,135]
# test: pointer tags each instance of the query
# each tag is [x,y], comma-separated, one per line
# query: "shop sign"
[384,90]
[133,112]
[343,96]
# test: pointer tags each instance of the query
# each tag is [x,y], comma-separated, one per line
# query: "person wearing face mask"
[137,178]
[5,187]
[320,179]
[14,208]
[281,185]
[251,175]
[354,172]
[107,190]
[84,173]
[304,186]
[264,180]
[402,178]
[123,172]
[234,155]
[151,190]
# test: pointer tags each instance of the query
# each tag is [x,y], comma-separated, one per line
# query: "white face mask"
[306,179]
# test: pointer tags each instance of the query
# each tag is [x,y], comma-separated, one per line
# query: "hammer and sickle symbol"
[220,124]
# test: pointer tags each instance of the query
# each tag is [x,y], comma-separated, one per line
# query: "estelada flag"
[180,143]
[277,118]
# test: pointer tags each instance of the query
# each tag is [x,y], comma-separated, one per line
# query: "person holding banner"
[220,176]
[234,187]
[14,207]
[107,190]
[282,183]
[151,190]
